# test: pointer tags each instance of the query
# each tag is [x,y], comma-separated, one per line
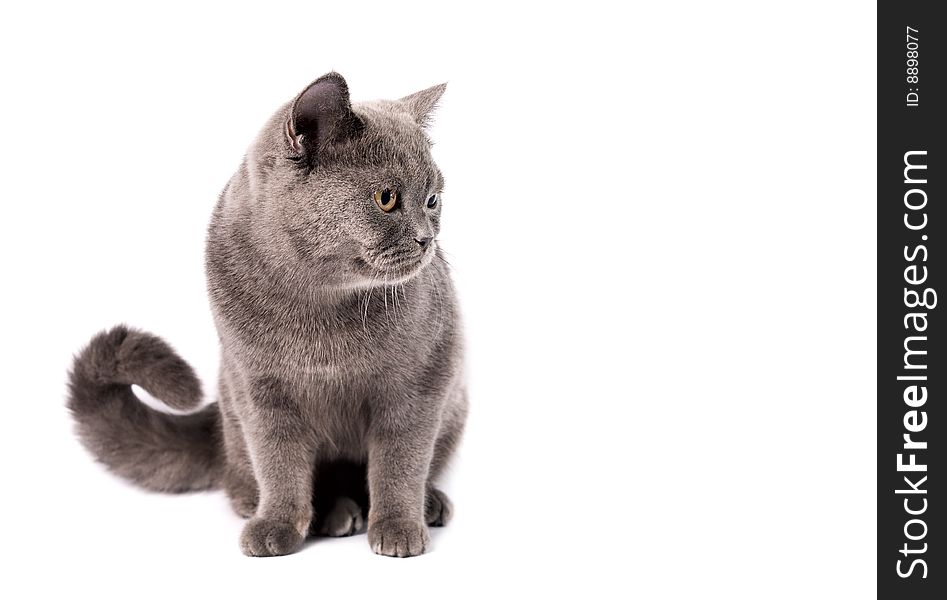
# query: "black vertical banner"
[912,372]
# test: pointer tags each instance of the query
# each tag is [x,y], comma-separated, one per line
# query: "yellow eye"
[386,200]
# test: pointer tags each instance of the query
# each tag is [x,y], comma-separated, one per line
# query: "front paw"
[398,537]
[265,537]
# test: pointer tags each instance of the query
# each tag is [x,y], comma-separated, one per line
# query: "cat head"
[350,190]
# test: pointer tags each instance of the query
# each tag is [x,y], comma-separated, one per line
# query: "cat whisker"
[368,300]
[394,297]
[385,295]
[394,305]
[443,260]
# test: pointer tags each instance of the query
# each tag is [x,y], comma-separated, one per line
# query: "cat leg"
[241,489]
[239,481]
[399,457]
[283,452]
[437,506]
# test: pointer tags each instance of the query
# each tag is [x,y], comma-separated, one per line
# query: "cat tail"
[157,450]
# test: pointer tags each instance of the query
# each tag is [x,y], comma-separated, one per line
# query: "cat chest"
[318,350]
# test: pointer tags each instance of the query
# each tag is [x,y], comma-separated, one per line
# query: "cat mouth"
[394,266]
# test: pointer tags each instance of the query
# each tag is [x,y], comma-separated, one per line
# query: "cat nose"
[423,241]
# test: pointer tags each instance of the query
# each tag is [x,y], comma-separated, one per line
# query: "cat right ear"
[321,115]
[421,104]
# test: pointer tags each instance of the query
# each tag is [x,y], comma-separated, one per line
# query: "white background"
[662,224]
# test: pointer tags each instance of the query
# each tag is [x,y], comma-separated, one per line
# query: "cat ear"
[421,104]
[321,115]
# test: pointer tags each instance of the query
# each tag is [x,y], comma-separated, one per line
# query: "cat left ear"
[421,104]
[321,115]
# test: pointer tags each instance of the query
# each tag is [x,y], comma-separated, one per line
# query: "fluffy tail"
[160,451]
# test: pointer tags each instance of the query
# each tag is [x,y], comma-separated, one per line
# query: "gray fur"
[341,392]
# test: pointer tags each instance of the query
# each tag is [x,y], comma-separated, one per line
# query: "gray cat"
[341,391]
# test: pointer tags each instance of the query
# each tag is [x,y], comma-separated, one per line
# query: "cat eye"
[432,201]
[386,200]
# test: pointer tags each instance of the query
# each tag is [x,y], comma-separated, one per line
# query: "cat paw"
[437,508]
[398,537]
[245,506]
[242,491]
[344,519]
[264,537]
